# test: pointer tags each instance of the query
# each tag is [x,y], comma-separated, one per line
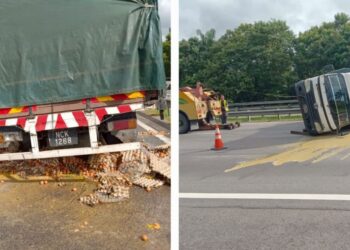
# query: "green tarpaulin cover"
[61,50]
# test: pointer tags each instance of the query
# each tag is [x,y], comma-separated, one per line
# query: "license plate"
[2,139]
[66,137]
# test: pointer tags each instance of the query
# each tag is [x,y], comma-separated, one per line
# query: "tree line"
[167,55]
[263,60]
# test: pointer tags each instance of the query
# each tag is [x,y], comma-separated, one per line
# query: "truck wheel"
[183,123]
[26,144]
[13,147]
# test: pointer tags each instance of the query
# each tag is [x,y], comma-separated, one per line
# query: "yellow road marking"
[314,150]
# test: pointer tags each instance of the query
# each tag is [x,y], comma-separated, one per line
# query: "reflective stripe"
[4,111]
[136,95]
[41,122]
[51,122]
[117,97]
[112,110]
[100,113]
[80,118]
[105,98]
[60,123]
[68,119]
[16,110]
[11,122]
[124,108]
[21,122]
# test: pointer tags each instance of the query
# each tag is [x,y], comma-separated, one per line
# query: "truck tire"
[184,123]
[26,144]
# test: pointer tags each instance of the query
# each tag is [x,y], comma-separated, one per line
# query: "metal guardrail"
[287,102]
[251,109]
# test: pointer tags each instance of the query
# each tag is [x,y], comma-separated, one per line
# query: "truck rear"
[324,102]
[74,73]
[200,110]
[192,111]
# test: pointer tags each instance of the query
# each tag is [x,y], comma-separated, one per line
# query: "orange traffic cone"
[219,144]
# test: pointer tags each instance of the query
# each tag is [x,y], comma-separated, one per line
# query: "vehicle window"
[338,98]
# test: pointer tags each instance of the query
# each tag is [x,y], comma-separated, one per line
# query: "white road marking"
[258,196]
[148,128]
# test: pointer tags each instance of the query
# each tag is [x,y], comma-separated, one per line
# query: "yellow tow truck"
[198,109]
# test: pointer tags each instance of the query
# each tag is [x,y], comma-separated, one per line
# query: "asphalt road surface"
[34,216]
[247,208]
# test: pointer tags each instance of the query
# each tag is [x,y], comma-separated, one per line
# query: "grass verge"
[266,118]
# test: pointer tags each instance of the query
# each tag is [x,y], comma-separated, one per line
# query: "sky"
[221,15]
[164,13]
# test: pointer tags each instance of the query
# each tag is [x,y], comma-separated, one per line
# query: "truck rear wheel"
[184,123]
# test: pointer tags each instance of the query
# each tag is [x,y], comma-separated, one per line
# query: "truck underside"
[83,127]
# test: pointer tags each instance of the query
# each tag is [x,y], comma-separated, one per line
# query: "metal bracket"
[33,136]
[88,108]
[30,113]
[93,131]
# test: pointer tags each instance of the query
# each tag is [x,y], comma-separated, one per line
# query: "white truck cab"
[324,102]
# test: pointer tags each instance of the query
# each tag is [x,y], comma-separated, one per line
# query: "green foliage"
[167,55]
[194,57]
[262,61]
[254,62]
[327,44]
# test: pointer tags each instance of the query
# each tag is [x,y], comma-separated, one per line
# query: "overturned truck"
[324,102]
[73,73]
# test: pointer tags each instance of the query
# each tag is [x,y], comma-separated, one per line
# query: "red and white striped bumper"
[68,119]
